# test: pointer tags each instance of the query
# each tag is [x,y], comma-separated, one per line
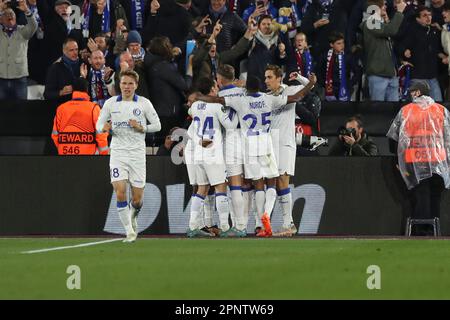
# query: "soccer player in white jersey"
[254,111]
[208,120]
[283,139]
[126,116]
[234,159]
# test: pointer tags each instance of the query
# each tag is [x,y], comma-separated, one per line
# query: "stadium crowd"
[359,49]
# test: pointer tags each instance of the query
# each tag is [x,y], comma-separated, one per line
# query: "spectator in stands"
[299,58]
[57,28]
[235,6]
[136,12]
[233,26]
[321,18]
[101,42]
[422,48]
[421,132]
[381,65]
[101,16]
[134,46]
[62,73]
[445,39]
[171,18]
[268,47]
[333,70]
[436,11]
[36,68]
[207,60]
[353,140]
[169,143]
[166,85]
[265,8]
[13,51]
[126,62]
[98,76]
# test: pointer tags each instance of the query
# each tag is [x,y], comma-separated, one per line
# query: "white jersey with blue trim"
[208,120]
[125,139]
[283,120]
[233,134]
[255,117]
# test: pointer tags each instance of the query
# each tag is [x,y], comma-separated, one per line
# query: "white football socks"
[196,205]
[271,197]
[223,209]
[260,199]
[208,210]
[237,201]
[125,216]
[285,199]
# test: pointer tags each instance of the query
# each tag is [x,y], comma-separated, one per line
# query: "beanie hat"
[134,37]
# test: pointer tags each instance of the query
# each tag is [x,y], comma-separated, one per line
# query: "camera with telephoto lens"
[310,142]
[343,131]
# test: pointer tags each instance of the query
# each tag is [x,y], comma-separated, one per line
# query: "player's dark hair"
[204,85]
[226,71]
[253,84]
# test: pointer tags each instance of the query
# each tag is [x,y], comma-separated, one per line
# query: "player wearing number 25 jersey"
[126,117]
[254,112]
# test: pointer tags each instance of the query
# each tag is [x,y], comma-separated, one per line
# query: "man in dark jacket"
[62,73]
[354,142]
[170,18]
[233,26]
[166,85]
[57,28]
[321,18]
[207,60]
[269,47]
[422,48]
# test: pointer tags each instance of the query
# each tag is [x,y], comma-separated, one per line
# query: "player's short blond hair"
[130,73]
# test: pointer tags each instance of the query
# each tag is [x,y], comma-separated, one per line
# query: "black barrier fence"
[73,196]
[27,125]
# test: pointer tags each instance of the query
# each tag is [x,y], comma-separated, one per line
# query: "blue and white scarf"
[139,56]
[99,91]
[87,10]
[329,91]
[137,14]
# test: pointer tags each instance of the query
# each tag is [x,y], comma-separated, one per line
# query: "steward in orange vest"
[422,132]
[74,126]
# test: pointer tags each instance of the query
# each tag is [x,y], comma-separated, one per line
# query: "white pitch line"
[71,247]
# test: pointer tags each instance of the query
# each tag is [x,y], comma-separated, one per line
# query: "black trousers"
[426,198]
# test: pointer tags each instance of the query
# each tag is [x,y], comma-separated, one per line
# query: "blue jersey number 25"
[265,120]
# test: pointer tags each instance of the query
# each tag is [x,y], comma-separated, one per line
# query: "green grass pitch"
[176,268]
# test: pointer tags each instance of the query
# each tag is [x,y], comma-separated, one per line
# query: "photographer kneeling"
[353,141]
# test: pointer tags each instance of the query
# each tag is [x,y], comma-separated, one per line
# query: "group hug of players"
[243,140]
